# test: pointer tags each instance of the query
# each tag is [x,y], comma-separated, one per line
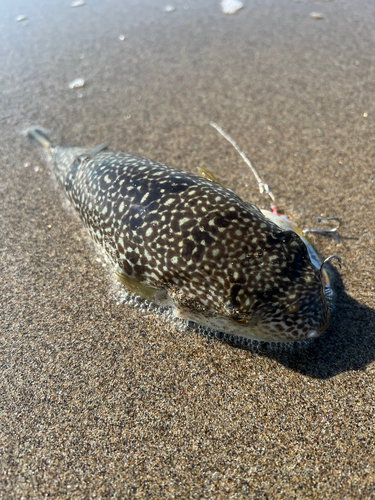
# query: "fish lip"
[313,334]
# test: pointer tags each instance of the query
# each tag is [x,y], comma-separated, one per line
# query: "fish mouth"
[313,334]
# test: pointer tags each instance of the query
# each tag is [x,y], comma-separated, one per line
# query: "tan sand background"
[102,400]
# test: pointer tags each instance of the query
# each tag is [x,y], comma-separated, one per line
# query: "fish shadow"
[347,345]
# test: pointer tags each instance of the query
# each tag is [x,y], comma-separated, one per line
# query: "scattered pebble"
[77,3]
[122,37]
[169,8]
[26,164]
[21,18]
[316,15]
[77,83]
[230,6]
[365,115]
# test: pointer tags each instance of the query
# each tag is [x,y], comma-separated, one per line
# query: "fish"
[187,242]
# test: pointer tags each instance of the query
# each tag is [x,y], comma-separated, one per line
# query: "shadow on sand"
[347,345]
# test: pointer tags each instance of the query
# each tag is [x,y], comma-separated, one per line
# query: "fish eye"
[239,319]
[292,308]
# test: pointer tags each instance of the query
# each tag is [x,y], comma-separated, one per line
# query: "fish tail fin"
[40,138]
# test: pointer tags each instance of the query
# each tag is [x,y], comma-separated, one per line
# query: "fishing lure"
[187,242]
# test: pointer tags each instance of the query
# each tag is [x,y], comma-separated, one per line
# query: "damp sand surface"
[102,399]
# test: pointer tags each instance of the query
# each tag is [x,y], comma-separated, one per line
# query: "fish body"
[186,241]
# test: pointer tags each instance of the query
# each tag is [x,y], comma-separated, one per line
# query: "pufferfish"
[187,242]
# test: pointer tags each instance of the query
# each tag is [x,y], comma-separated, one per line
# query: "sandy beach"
[101,399]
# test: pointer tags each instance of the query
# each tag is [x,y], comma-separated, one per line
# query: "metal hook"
[326,232]
[328,259]
[321,219]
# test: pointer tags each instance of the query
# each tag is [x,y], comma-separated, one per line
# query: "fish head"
[286,302]
[277,295]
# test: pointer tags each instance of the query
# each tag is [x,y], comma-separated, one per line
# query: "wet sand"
[102,400]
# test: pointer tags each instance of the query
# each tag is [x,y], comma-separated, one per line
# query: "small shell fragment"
[316,15]
[21,18]
[77,3]
[230,6]
[169,8]
[122,37]
[77,83]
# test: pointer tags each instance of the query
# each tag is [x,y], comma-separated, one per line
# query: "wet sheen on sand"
[102,398]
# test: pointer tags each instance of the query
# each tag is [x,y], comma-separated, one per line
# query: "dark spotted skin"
[188,242]
[196,245]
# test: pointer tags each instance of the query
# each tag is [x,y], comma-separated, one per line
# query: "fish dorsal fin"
[90,152]
[208,176]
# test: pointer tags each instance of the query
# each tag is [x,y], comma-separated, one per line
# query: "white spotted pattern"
[219,259]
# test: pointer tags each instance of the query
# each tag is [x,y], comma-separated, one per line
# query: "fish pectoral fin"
[145,291]
[185,314]
[209,176]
